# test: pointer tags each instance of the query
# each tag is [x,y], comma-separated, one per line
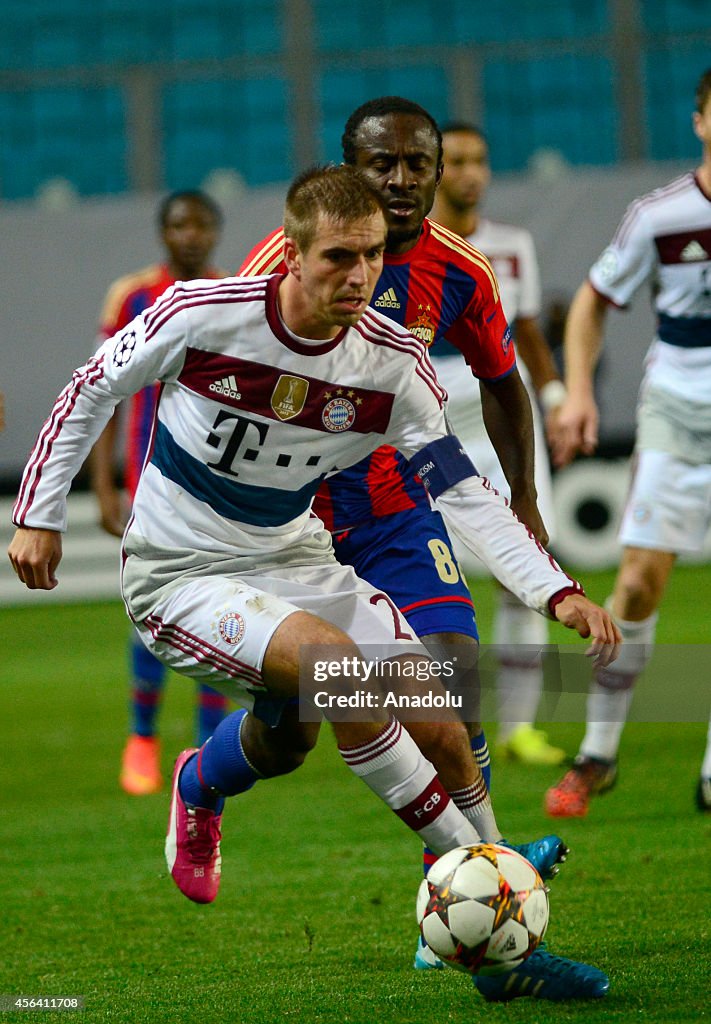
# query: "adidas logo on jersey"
[228,386]
[388,300]
[693,251]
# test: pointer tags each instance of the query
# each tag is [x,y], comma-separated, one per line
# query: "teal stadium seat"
[670,80]
[75,133]
[240,124]
[677,16]
[556,91]
[132,32]
[341,91]
[671,74]
[79,132]
[223,28]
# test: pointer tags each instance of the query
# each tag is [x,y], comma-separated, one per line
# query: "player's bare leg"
[377,749]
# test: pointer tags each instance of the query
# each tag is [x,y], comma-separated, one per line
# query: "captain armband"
[442,464]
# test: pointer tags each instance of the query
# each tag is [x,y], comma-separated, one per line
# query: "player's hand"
[35,555]
[525,507]
[590,620]
[574,430]
[112,515]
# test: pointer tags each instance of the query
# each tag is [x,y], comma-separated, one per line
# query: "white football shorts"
[217,629]
[668,507]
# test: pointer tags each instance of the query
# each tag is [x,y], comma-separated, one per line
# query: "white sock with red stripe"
[393,766]
[475,804]
[610,695]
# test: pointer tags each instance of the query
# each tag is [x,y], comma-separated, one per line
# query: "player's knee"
[291,753]
[283,762]
[638,590]
[280,750]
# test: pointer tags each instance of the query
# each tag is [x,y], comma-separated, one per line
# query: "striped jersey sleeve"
[267,257]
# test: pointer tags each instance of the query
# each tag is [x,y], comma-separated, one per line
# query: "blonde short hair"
[341,193]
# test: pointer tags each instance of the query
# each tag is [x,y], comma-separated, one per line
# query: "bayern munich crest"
[338,414]
[231,627]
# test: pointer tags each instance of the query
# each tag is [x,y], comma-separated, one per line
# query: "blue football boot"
[425,958]
[544,976]
[546,854]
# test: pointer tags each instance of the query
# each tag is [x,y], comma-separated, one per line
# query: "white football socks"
[475,804]
[393,766]
[520,633]
[610,693]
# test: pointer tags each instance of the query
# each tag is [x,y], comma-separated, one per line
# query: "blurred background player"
[664,240]
[519,634]
[189,224]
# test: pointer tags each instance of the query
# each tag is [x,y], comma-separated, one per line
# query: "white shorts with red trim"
[217,629]
[669,504]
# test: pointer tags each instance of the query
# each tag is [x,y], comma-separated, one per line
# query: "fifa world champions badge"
[231,628]
[289,396]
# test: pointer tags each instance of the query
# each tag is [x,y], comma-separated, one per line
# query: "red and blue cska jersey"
[445,293]
[126,298]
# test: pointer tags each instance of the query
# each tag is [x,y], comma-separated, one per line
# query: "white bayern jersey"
[512,254]
[250,419]
[664,240]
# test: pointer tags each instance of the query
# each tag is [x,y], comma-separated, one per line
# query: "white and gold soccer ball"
[483,908]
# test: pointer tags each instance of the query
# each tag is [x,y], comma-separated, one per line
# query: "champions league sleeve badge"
[124,348]
[607,265]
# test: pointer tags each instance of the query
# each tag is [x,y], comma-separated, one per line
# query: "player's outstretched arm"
[576,426]
[112,517]
[35,555]
[590,620]
[509,423]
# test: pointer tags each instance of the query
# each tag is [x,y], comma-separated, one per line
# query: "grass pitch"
[315,920]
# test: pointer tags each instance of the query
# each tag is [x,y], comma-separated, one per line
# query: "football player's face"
[338,272]
[399,154]
[466,173]
[190,234]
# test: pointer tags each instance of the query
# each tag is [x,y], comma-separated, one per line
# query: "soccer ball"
[482,909]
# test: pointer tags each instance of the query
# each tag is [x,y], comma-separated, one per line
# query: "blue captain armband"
[441,464]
